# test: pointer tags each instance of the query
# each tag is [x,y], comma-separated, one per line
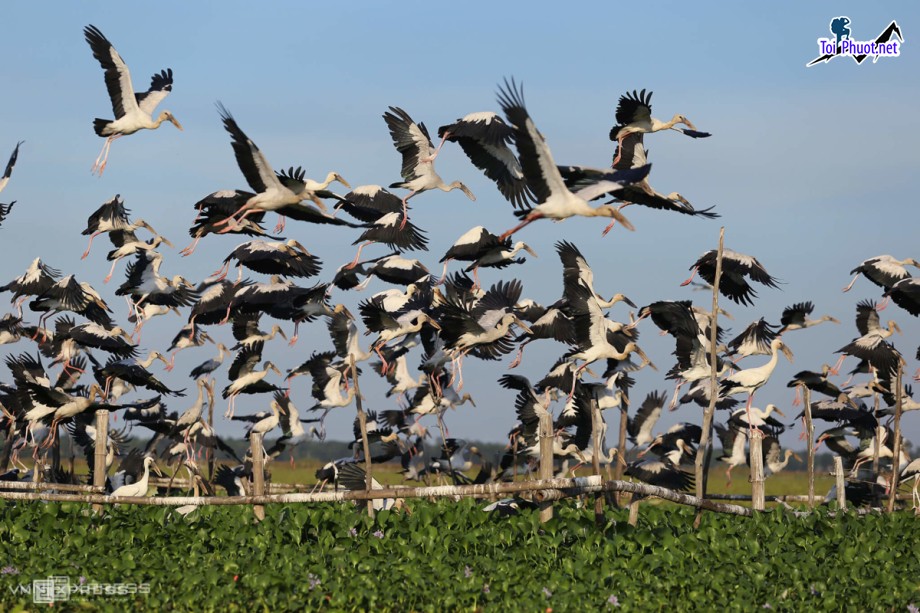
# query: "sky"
[812,169]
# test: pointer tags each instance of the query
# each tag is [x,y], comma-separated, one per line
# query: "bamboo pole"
[810,433]
[362,422]
[703,451]
[99,451]
[757,478]
[597,421]
[211,452]
[896,447]
[258,472]
[546,460]
[574,486]
[841,483]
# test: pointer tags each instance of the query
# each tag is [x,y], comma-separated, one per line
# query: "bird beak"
[833,319]
[645,359]
[630,302]
[275,368]
[778,412]
[896,327]
[788,353]
[467,191]
[530,251]
[522,325]
[175,122]
[163,359]
[282,335]
[620,459]
[623,221]
[434,324]
[797,457]
[166,241]
[342,180]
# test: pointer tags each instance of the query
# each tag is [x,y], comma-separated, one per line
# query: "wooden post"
[211,452]
[841,483]
[634,511]
[362,421]
[99,451]
[597,429]
[258,472]
[757,479]
[618,466]
[895,460]
[879,429]
[702,472]
[546,460]
[810,433]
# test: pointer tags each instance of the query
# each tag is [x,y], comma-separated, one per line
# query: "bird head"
[893,327]
[423,318]
[464,189]
[622,298]
[276,329]
[522,245]
[467,398]
[772,408]
[523,326]
[167,116]
[334,176]
[608,210]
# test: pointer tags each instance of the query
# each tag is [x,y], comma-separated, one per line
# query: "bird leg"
[728,475]
[383,360]
[279,227]
[221,273]
[614,222]
[293,340]
[90,246]
[405,203]
[850,286]
[229,413]
[431,157]
[354,262]
[836,369]
[233,222]
[690,278]
[531,217]
[798,396]
[883,304]
[191,248]
[108,277]
[103,155]
[476,284]
[520,355]
[673,405]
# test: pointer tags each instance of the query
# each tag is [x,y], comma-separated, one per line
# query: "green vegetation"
[453,556]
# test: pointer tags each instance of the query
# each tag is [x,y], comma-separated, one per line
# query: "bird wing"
[411,140]
[369,203]
[484,137]
[160,85]
[867,320]
[796,313]
[633,107]
[117,76]
[540,170]
[9,166]
[255,168]
[245,360]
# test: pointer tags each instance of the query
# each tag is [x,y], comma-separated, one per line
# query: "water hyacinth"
[547,593]
[9,570]
[613,601]
[378,534]
[467,572]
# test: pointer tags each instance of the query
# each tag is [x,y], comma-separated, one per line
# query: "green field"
[453,556]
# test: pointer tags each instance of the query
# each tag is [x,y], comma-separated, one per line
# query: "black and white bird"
[482,248]
[418,152]
[280,192]
[6,208]
[906,294]
[246,378]
[735,267]
[883,270]
[289,259]
[871,345]
[553,199]
[486,139]
[133,111]
[634,116]
[795,317]
[7,173]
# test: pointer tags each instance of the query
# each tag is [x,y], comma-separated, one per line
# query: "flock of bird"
[450,316]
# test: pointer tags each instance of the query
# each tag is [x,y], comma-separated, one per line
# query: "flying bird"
[133,111]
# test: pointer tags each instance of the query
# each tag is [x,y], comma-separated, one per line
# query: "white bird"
[412,141]
[139,487]
[752,379]
[554,200]
[133,111]
[883,270]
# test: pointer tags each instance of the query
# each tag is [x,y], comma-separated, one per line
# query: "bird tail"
[99,126]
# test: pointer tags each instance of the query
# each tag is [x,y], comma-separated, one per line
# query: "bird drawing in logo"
[839,28]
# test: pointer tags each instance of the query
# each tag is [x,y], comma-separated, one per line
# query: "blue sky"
[812,169]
